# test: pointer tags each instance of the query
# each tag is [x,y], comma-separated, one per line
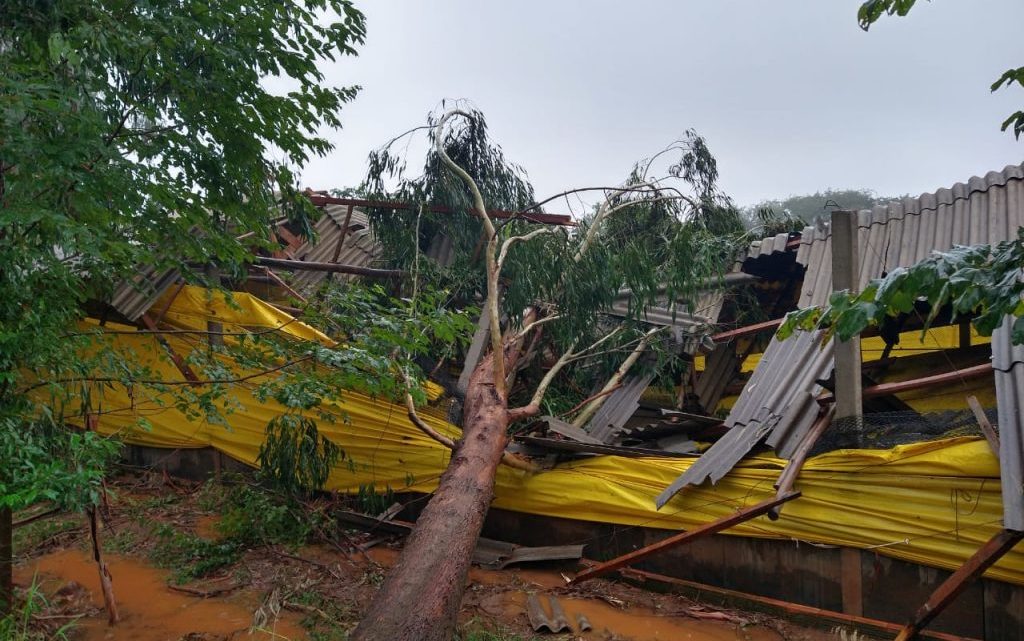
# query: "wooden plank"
[476,350]
[986,426]
[724,523]
[951,588]
[335,268]
[569,431]
[344,233]
[176,358]
[784,484]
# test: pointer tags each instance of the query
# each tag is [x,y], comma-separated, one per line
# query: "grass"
[33,535]
[191,556]
[478,630]
[22,625]
[326,619]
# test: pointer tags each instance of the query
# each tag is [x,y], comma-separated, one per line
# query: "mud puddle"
[612,614]
[150,611]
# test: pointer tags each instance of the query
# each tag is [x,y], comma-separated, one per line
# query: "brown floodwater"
[630,623]
[150,611]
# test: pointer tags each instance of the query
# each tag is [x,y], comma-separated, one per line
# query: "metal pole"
[846,275]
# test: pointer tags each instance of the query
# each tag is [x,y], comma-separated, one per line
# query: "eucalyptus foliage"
[670,233]
[981,281]
[872,10]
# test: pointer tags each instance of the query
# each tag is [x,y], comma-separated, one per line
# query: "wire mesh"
[884,430]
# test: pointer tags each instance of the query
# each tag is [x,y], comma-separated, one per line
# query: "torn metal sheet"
[569,431]
[539,620]
[497,555]
[549,444]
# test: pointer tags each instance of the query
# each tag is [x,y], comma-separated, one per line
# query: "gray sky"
[791,95]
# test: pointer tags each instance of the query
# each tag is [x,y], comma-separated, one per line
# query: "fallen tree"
[555,290]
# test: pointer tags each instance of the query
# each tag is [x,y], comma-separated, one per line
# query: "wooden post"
[850,581]
[6,561]
[974,567]
[724,523]
[846,275]
[986,426]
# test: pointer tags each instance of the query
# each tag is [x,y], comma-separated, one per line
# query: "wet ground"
[317,591]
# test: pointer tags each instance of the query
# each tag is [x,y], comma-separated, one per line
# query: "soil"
[319,591]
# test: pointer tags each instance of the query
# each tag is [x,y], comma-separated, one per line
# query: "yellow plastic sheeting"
[933,503]
[192,307]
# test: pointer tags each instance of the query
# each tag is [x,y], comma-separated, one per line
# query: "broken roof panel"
[132,297]
[1008,363]
[899,234]
[359,247]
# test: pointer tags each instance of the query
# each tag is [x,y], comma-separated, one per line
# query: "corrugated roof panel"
[134,296]
[898,234]
[719,370]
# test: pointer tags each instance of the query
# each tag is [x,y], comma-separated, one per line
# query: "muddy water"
[149,610]
[607,621]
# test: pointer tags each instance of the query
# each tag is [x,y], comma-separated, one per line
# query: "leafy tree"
[136,134]
[663,234]
[872,10]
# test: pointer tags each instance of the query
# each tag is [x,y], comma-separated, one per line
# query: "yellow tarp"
[933,503]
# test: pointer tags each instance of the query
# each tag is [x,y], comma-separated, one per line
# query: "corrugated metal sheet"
[899,234]
[1008,363]
[359,248]
[770,245]
[621,405]
[719,370]
[134,296]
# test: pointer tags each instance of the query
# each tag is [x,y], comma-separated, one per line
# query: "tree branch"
[491,304]
[520,239]
[588,412]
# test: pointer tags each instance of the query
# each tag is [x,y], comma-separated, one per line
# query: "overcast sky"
[791,95]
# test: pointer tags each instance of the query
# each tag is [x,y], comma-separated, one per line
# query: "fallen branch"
[203,594]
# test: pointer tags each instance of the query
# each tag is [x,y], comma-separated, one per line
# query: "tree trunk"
[420,598]
[106,581]
[6,561]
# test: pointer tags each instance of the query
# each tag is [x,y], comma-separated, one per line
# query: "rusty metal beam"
[885,389]
[951,588]
[534,217]
[739,332]
[724,523]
